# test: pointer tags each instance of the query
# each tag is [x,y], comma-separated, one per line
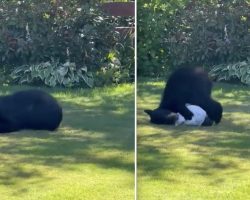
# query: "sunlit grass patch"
[195,163]
[90,156]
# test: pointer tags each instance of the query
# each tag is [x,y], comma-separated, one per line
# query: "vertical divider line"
[135,106]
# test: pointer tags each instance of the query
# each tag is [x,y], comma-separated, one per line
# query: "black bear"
[187,85]
[29,109]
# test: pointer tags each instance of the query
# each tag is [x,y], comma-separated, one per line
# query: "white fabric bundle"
[198,118]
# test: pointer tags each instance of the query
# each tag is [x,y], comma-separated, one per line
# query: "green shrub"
[209,33]
[52,74]
[34,32]
[239,71]
[119,66]
[192,33]
[153,18]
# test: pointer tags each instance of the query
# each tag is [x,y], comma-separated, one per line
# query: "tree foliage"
[193,32]
[33,32]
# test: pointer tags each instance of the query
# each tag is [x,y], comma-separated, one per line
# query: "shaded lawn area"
[194,163]
[91,156]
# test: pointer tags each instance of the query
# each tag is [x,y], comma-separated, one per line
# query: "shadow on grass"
[100,133]
[205,151]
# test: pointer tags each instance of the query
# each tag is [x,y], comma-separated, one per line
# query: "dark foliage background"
[204,33]
[75,31]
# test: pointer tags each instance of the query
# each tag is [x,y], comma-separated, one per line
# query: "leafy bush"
[33,32]
[209,33]
[52,74]
[239,71]
[124,52]
[153,18]
[119,68]
[192,32]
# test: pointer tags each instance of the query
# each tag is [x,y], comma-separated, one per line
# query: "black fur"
[162,116]
[193,86]
[29,109]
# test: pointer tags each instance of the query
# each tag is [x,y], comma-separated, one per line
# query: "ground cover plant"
[211,163]
[91,156]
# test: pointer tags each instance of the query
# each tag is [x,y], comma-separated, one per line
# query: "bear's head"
[161,116]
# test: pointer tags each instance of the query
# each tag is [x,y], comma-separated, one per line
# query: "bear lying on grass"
[187,85]
[29,109]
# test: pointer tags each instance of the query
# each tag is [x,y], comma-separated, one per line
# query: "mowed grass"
[194,163]
[90,157]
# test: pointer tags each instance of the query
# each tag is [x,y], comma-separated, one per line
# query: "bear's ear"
[149,112]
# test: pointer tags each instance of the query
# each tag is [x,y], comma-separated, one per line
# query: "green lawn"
[90,157]
[195,163]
